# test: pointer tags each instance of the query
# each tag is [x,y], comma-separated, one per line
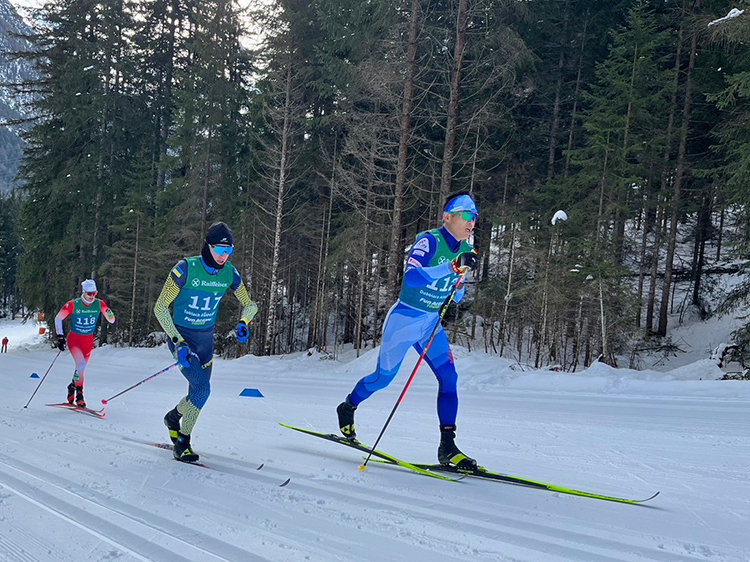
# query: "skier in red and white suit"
[84,314]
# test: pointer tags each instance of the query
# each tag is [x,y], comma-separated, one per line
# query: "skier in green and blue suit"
[196,286]
[436,261]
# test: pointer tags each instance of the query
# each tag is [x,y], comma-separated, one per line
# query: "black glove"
[466,260]
[61,343]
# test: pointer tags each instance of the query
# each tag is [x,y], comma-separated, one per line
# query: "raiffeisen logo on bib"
[213,284]
[196,282]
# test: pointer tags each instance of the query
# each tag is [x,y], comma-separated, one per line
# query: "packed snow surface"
[77,488]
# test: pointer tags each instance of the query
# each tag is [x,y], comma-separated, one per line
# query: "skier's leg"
[402,330]
[403,327]
[80,349]
[181,420]
[440,359]
[199,389]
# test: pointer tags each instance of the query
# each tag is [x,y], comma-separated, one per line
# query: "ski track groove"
[80,511]
[11,551]
[186,489]
[527,536]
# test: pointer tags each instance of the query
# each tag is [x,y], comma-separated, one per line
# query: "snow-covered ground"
[77,488]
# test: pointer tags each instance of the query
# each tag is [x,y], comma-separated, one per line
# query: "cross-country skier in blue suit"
[434,265]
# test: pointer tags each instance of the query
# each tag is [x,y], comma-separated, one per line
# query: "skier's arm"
[249,308]
[169,292]
[107,312]
[65,311]
[418,273]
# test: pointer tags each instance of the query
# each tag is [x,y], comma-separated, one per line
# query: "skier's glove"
[466,260]
[242,332]
[61,343]
[182,353]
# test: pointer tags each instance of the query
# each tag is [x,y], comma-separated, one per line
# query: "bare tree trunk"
[135,277]
[651,301]
[720,234]
[504,321]
[455,93]
[281,188]
[558,93]
[646,229]
[665,178]
[704,222]
[602,186]
[396,259]
[679,175]
[312,332]
[574,113]
[366,256]
[602,316]
[206,181]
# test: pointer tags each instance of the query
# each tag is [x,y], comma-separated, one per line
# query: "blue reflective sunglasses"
[467,215]
[221,250]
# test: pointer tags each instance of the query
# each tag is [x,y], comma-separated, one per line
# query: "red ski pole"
[414,371]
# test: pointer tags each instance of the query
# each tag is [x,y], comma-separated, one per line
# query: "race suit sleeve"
[172,287]
[249,308]
[418,272]
[65,311]
[107,312]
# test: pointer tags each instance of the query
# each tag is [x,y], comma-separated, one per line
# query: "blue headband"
[461,203]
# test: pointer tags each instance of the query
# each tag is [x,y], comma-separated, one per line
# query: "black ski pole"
[107,400]
[44,377]
[414,371]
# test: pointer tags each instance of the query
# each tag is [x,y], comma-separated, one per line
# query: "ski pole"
[44,377]
[107,400]
[414,371]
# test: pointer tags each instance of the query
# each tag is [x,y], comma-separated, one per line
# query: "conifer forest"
[328,133]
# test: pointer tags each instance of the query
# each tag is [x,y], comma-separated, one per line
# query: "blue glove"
[242,332]
[183,353]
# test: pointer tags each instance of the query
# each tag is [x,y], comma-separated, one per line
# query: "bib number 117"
[206,301]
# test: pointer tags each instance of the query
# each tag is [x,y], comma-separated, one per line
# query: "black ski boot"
[345,411]
[182,450]
[80,402]
[172,421]
[449,454]
[71,392]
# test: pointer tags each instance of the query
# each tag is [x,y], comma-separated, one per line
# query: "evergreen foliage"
[296,122]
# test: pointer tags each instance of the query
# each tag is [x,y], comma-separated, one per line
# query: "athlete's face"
[89,296]
[458,226]
[220,258]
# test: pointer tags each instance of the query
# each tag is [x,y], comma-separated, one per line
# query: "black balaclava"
[219,233]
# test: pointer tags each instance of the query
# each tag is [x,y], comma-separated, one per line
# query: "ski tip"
[261,466]
[649,499]
[285,482]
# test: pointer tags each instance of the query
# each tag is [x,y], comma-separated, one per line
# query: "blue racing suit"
[410,325]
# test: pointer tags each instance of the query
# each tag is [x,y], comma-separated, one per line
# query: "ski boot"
[182,450]
[71,392]
[172,421]
[345,411]
[449,453]
[80,402]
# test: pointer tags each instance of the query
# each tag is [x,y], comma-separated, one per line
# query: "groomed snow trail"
[76,488]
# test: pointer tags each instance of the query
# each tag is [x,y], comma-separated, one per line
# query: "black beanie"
[219,233]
